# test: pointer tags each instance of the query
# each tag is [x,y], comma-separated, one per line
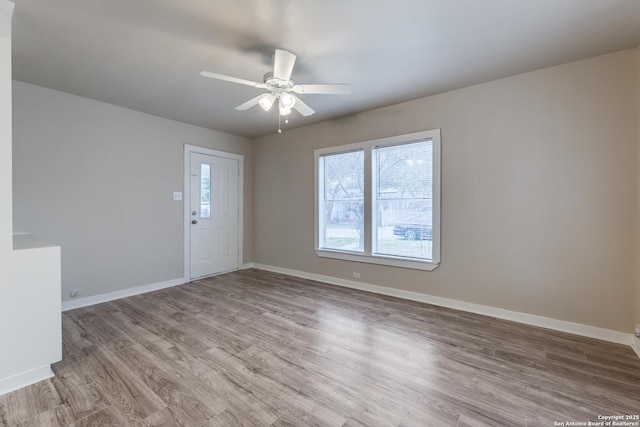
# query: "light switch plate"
[177,195]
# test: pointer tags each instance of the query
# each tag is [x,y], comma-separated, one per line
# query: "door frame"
[188,149]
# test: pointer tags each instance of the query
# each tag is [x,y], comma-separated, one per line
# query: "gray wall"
[97,179]
[538,192]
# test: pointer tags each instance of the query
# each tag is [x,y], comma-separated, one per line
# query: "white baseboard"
[110,296]
[24,379]
[528,319]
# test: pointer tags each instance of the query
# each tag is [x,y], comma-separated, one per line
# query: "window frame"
[368,256]
[321,190]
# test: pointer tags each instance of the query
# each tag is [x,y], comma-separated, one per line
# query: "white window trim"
[369,257]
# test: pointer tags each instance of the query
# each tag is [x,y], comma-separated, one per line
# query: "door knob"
[194,222]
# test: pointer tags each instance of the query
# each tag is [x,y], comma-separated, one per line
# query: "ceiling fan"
[281,88]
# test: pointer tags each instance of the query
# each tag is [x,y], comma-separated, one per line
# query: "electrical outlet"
[75,293]
[356,275]
[177,195]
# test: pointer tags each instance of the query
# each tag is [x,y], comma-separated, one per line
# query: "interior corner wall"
[637,299]
[538,192]
[6,238]
[97,180]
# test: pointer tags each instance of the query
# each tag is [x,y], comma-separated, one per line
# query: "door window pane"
[205,190]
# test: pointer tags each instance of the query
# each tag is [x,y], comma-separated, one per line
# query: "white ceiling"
[146,54]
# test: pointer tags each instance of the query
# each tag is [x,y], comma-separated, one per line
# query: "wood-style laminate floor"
[254,348]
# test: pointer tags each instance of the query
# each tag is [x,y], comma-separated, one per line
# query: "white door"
[213,215]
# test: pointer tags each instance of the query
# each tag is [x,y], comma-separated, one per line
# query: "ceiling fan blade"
[250,103]
[302,108]
[231,79]
[339,89]
[283,64]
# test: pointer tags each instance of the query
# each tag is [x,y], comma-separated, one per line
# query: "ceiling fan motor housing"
[277,85]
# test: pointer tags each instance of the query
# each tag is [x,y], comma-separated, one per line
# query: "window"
[205,190]
[343,201]
[379,201]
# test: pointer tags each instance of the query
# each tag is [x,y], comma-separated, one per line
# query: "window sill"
[379,259]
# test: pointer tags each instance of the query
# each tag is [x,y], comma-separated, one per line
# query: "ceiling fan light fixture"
[287,100]
[284,111]
[281,89]
[266,102]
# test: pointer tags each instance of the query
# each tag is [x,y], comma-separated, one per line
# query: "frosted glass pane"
[205,190]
